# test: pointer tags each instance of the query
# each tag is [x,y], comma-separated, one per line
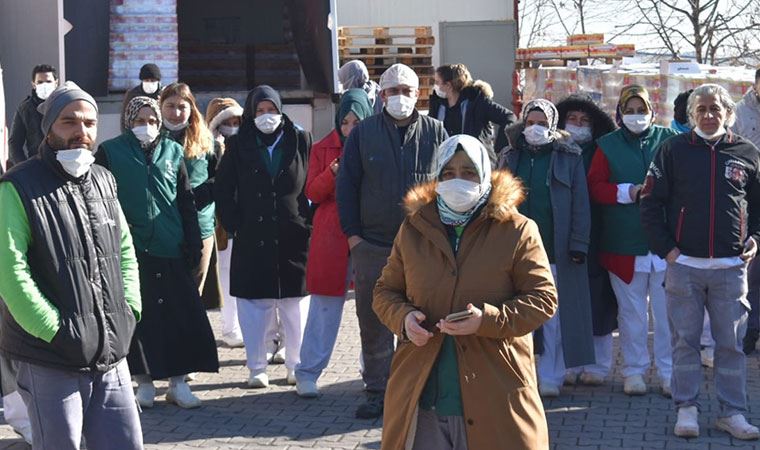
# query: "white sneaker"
[191,376]
[145,394]
[233,341]
[707,355]
[738,427]
[307,389]
[591,379]
[687,425]
[634,385]
[258,381]
[666,390]
[571,378]
[291,379]
[25,432]
[548,390]
[279,356]
[181,395]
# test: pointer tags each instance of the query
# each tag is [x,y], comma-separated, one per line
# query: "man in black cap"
[150,86]
[70,285]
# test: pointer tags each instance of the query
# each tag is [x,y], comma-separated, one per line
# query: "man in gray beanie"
[70,286]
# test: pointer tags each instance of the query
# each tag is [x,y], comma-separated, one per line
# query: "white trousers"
[551,364]
[15,411]
[634,302]
[603,355]
[256,314]
[230,324]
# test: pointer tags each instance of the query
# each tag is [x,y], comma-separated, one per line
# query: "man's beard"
[58,143]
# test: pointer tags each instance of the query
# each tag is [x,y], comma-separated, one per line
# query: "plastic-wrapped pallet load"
[142,31]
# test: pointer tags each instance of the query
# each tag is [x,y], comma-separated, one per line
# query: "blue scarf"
[678,126]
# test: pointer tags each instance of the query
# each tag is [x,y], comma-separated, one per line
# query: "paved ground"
[234,417]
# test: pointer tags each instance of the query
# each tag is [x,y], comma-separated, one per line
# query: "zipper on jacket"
[712,200]
[679,226]
[741,225]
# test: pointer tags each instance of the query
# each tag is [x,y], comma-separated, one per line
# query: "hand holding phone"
[457,316]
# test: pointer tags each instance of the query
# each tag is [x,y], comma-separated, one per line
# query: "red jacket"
[327,266]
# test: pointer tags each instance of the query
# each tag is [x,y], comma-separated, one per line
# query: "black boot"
[373,407]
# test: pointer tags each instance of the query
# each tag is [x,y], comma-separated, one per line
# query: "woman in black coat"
[260,198]
[585,121]
[466,106]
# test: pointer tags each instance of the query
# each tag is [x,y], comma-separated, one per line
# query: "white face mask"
[226,131]
[75,162]
[172,127]
[268,123]
[710,137]
[438,91]
[461,195]
[580,135]
[149,87]
[637,123]
[400,107]
[43,90]
[537,135]
[146,133]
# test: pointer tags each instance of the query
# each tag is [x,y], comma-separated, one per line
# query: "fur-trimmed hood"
[563,141]
[476,88]
[602,121]
[507,193]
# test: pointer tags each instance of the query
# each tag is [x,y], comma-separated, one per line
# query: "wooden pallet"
[385,32]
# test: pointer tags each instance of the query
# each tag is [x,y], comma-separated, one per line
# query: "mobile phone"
[457,316]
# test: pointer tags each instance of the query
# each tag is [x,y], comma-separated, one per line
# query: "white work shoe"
[634,385]
[145,394]
[291,378]
[548,390]
[191,376]
[25,432]
[687,425]
[307,389]
[181,395]
[591,379]
[738,427]
[258,381]
[279,356]
[571,378]
[233,340]
[707,355]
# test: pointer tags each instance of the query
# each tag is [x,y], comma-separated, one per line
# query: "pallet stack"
[381,47]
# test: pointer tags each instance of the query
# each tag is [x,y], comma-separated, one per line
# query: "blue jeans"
[319,336]
[64,405]
[723,292]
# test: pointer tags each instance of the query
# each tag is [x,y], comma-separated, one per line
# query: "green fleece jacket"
[36,314]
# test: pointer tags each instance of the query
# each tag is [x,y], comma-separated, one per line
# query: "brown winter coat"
[501,268]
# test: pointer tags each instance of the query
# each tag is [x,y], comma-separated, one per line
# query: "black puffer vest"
[75,260]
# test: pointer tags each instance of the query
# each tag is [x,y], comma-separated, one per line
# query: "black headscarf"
[256,96]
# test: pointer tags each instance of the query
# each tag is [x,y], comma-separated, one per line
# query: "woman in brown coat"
[464,247]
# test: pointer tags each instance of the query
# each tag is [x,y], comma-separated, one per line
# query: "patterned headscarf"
[546,107]
[135,105]
[628,93]
[479,156]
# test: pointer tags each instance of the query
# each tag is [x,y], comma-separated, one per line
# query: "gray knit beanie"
[66,93]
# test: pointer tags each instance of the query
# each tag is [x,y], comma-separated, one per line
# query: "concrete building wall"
[30,34]
[422,13]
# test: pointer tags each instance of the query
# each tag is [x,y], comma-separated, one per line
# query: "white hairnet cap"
[399,74]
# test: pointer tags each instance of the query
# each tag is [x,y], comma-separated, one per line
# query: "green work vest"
[533,170]
[628,157]
[148,192]
[197,174]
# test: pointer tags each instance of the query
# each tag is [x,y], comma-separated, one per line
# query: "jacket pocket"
[679,225]
[122,322]
[77,340]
